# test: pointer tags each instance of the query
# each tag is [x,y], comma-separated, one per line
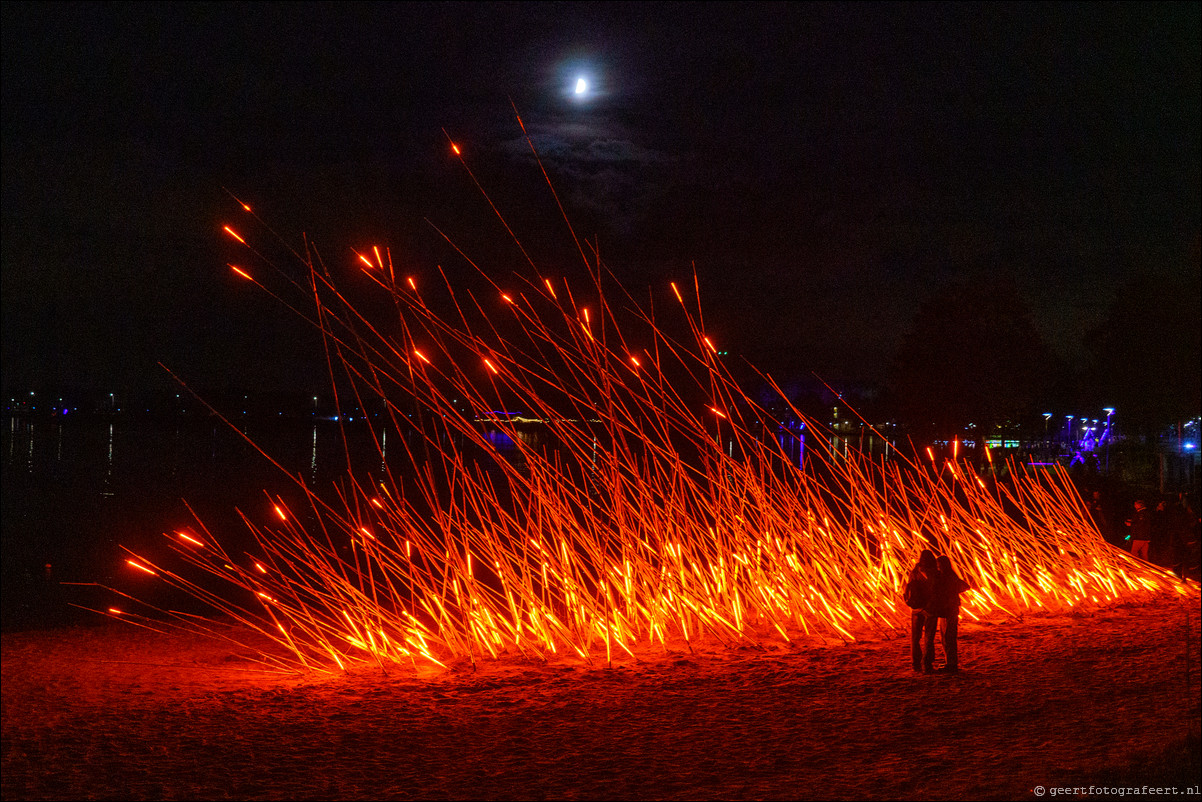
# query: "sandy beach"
[117,712]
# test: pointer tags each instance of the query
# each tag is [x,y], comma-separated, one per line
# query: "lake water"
[75,492]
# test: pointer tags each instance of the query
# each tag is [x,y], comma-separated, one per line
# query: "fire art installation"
[655,504]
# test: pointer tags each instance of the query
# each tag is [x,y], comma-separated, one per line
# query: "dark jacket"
[1141,525]
[945,600]
[921,586]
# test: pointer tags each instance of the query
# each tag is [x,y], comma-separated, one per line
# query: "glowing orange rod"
[422,357]
[710,344]
[233,234]
[280,512]
[141,567]
[491,366]
[189,538]
[365,260]
[412,285]
[456,150]
[239,201]
[241,272]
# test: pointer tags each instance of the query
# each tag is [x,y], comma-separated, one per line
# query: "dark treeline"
[974,360]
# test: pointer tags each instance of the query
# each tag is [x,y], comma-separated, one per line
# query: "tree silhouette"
[972,356]
[1148,352]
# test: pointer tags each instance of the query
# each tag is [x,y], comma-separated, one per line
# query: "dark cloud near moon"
[597,163]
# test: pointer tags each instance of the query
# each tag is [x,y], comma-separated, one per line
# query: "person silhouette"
[919,591]
[945,606]
[1140,525]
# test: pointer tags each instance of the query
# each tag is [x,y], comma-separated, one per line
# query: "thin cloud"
[598,165]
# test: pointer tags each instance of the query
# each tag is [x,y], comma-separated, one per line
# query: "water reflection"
[108,474]
[499,440]
[313,458]
[512,447]
[129,458]
[794,447]
[22,437]
[508,446]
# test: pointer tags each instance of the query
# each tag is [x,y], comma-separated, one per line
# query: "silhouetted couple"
[933,594]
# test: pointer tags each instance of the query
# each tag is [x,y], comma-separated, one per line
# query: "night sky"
[826,167]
